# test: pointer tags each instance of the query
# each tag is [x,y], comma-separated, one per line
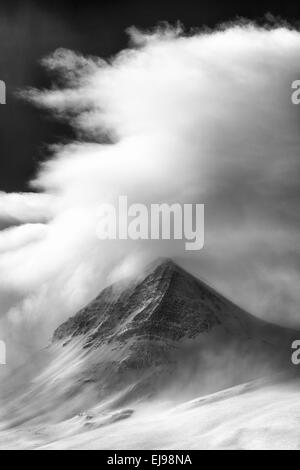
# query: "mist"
[203,117]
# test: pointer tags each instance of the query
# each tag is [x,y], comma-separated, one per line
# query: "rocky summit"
[171,328]
[165,335]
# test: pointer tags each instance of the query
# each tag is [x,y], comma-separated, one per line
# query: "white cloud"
[26,207]
[203,118]
[16,238]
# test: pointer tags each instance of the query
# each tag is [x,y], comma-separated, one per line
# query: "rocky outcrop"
[166,335]
[152,329]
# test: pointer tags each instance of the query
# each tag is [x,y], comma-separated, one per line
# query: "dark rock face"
[168,304]
[167,335]
[171,322]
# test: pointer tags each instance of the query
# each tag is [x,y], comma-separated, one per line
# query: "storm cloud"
[204,118]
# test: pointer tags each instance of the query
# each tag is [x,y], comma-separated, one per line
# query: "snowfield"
[163,363]
[250,416]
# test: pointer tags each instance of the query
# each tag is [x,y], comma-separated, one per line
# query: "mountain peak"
[162,264]
[163,323]
[168,301]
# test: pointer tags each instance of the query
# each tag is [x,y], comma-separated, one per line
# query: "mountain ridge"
[164,335]
[170,323]
[164,275]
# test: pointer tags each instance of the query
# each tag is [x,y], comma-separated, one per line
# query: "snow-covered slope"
[170,328]
[258,415]
[152,344]
[251,416]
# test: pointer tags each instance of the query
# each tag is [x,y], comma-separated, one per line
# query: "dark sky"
[31,29]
